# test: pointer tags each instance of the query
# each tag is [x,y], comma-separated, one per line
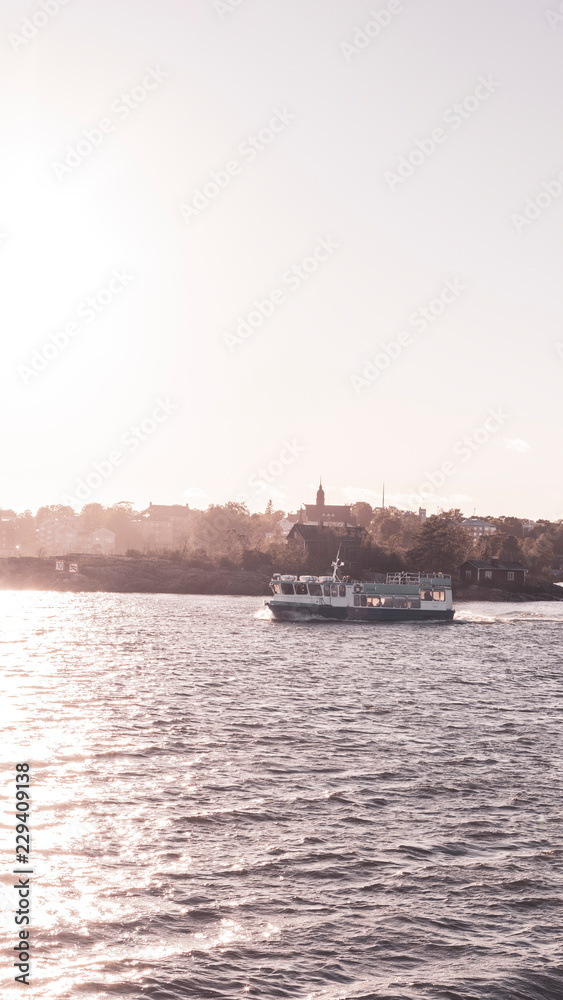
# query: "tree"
[54,510]
[121,519]
[441,546]
[510,549]
[454,515]
[363,512]
[393,529]
[544,552]
[92,516]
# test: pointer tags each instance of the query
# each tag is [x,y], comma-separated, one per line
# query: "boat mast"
[336,564]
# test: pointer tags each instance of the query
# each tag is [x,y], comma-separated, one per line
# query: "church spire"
[320,494]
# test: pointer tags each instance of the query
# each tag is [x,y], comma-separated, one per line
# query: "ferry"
[403,597]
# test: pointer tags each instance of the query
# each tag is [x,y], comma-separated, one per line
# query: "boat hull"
[289,611]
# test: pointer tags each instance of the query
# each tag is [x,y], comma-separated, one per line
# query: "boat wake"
[264,614]
[509,617]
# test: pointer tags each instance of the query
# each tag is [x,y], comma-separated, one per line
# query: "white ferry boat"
[403,597]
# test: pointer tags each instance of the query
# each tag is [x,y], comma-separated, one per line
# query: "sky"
[245,244]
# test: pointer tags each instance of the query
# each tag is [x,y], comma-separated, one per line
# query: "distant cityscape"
[232,534]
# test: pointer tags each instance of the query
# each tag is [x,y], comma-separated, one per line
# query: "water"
[226,806]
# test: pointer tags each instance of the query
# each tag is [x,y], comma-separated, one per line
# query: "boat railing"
[412,578]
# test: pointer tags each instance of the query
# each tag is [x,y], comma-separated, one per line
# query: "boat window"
[301,588]
[387,602]
[414,602]
[276,588]
[287,588]
[334,590]
[315,589]
[439,595]
[426,595]
[364,600]
[342,591]
[357,600]
[326,589]
[374,602]
[399,602]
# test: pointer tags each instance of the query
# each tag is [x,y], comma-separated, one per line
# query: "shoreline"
[155,575]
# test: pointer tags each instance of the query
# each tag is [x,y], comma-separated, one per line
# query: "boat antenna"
[337,564]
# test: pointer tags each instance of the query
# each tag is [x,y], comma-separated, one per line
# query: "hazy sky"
[246,243]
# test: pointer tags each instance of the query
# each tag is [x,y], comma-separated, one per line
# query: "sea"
[225,806]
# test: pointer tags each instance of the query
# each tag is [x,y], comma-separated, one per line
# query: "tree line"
[229,535]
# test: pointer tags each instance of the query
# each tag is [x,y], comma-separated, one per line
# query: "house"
[493,572]
[102,542]
[287,522]
[165,526]
[478,529]
[61,535]
[323,542]
[58,535]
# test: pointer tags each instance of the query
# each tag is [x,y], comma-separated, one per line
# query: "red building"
[493,572]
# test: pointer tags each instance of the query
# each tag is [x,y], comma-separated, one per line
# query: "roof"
[307,531]
[168,510]
[312,532]
[326,512]
[476,522]
[496,565]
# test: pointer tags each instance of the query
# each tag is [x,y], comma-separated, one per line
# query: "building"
[165,526]
[493,572]
[478,529]
[102,542]
[58,535]
[332,515]
[8,523]
[321,543]
[61,535]
[287,522]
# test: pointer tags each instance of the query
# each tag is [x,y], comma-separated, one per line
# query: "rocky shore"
[152,575]
[125,575]
[534,590]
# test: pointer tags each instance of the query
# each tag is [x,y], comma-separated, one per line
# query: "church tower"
[320,495]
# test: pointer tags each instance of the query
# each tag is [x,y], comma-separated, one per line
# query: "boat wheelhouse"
[403,597]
